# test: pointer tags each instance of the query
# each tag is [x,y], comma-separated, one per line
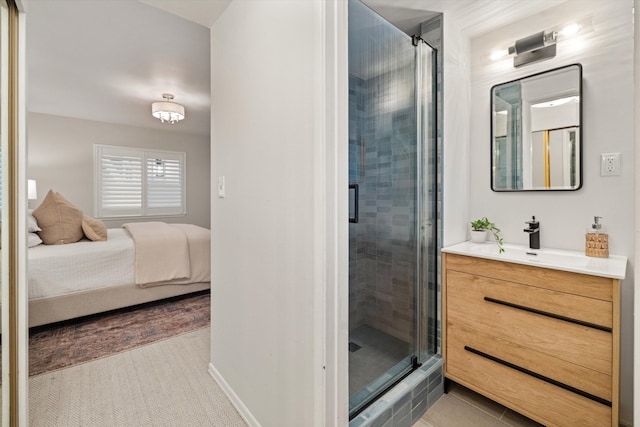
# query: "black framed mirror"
[536,132]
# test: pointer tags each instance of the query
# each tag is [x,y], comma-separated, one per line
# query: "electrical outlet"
[610,164]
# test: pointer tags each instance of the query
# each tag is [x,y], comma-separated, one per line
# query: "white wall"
[607,58]
[456,133]
[271,266]
[60,157]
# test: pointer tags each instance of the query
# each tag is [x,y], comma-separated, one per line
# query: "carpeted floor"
[93,337]
[162,384]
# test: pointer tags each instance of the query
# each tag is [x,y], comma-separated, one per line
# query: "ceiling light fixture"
[556,102]
[167,111]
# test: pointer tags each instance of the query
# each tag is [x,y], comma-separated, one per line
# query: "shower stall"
[393,206]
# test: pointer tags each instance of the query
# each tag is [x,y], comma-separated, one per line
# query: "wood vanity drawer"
[591,382]
[591,311]
[576,343]
[533,397]
[563,281]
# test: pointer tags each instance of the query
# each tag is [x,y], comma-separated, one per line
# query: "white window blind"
[135,182]
[164,174]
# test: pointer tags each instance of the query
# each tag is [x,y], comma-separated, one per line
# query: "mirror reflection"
[536,132]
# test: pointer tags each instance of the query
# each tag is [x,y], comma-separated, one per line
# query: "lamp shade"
[167,111]
[32,193]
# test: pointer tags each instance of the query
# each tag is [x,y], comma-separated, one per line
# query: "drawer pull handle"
[552,315]
[538,376]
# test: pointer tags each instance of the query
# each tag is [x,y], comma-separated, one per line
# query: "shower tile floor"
[378,353]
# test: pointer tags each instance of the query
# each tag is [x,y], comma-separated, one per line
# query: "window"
[137,182]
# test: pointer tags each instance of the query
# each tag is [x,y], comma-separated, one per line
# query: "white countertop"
[577,262]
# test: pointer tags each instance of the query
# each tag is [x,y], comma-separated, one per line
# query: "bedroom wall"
[60,157]
[606,55]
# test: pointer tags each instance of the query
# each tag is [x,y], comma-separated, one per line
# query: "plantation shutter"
[119,181]
[134,182]
[165,184]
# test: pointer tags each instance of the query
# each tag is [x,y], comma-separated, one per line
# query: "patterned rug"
[77,341]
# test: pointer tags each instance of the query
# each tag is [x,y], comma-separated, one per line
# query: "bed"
[136,264]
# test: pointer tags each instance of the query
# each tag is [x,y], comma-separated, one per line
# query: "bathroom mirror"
[536,132]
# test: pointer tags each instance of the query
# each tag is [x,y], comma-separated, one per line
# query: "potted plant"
[480,228]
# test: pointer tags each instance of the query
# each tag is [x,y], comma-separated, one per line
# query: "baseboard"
[245,413]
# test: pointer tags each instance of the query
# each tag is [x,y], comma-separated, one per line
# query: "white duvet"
[64,269]
[57,270]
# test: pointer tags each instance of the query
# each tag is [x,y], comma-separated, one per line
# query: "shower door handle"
[354,218]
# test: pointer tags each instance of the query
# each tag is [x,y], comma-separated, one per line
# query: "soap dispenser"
[597,240]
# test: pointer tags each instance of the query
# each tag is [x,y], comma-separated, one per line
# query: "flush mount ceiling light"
[556,102]
[167,111]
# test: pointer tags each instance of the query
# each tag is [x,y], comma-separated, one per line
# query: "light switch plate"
[221,187]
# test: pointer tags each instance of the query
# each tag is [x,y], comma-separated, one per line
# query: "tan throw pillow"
[94,229]
[60,221]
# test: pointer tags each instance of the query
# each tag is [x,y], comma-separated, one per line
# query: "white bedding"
[162,252]
[64,269]
[58,270]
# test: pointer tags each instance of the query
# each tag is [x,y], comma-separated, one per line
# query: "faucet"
[534,233]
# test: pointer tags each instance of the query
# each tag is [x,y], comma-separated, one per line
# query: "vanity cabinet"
[542,342]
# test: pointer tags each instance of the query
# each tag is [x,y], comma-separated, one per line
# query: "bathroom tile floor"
[461,407]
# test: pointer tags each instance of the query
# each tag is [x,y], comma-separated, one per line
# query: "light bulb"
[498,54]
[570,30]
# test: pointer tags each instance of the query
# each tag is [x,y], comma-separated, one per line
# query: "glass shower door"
[389,180]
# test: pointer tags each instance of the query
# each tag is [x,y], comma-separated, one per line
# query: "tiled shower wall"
[356,160]
[383,163]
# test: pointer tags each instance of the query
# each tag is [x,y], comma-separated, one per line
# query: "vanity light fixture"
[534,48]
[541,45]
[167,111]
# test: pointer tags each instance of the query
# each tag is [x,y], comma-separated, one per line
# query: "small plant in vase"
[480,228]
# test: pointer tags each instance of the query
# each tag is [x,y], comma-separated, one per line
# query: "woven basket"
[597,245]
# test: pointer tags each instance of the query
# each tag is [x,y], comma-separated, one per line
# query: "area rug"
[77,341]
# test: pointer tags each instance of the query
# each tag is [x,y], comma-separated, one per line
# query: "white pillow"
[32,224]
[33,240]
